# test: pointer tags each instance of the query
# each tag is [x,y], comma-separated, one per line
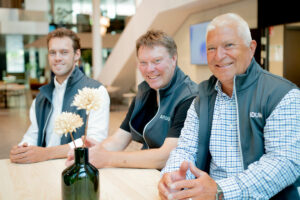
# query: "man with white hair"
[241,137]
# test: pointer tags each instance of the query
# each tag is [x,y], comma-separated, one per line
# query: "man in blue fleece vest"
[40,142]
[156,114]
[241,138]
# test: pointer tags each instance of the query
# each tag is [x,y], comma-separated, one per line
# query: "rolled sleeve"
[31,135]
[99,119]
[279,167]
[187,144]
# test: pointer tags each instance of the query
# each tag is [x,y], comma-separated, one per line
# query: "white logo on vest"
[164,117]
[255,115]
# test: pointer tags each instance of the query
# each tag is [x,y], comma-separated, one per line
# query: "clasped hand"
[174,185]
[28,154]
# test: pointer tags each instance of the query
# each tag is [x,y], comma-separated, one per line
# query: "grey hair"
[231,18]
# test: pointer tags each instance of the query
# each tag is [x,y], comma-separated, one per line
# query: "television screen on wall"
[198,43]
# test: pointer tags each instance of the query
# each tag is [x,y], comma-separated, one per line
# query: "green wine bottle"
[80,181]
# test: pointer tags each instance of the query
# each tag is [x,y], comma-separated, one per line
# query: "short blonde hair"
[154,38]
[63,32]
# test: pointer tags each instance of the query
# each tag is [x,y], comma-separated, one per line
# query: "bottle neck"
[81,155]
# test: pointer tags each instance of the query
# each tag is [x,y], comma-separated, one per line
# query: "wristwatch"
[219,195]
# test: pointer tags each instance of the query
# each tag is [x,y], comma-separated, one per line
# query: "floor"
[15,121]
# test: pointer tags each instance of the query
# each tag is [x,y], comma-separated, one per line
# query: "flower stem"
[73,140]
[86,127]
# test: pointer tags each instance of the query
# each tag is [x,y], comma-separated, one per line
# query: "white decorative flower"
[67,122]
[88,99]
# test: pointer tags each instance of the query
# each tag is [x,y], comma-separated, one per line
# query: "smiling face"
[227,53]
[156,65]
[62,58]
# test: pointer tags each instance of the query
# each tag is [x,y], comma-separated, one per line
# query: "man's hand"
[164,185]
[28,154]
[201,188]
[89,142]
[98,156]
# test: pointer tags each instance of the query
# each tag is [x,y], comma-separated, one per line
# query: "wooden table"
[10,89]
[42,181]
[3,93]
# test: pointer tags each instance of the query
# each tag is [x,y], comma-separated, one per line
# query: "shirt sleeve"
[187,144]
[179,118]
[31,134]
[125,123]
[98,120]
[280,165]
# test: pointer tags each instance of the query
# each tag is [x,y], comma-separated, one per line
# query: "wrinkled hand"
[28,154]
[201,188]
[169,178]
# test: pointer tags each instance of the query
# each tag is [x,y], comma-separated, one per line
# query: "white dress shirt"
[97,126]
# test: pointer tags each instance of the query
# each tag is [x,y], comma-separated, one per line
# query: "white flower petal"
[88,99]
[67,122]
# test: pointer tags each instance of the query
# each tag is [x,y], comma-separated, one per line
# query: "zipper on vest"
[238,122]
[152,118]
[46,124]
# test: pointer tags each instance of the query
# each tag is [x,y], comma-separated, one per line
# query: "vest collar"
[243,81]
[47,90]
[58,85]
[178,76]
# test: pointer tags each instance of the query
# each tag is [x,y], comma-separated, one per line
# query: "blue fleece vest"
[258,91]
[44,107]
[179,89]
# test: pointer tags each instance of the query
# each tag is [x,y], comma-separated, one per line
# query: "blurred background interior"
[108,30]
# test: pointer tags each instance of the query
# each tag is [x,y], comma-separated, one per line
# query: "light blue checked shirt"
[278,168]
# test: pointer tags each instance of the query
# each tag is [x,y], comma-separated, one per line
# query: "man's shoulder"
[182,83]
[275,78]
[45,91]
[89,82]
[207,86]
[190,86]
[274,82]
[79,79]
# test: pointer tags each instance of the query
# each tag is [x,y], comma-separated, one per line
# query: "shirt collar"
[60,86]
[218,88]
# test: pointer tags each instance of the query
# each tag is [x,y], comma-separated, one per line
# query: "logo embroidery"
[164,117]
[255,115]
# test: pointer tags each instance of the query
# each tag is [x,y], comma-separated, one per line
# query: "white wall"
[276,50]
[17,21]
[40,5]
[166,15]
[246,8]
